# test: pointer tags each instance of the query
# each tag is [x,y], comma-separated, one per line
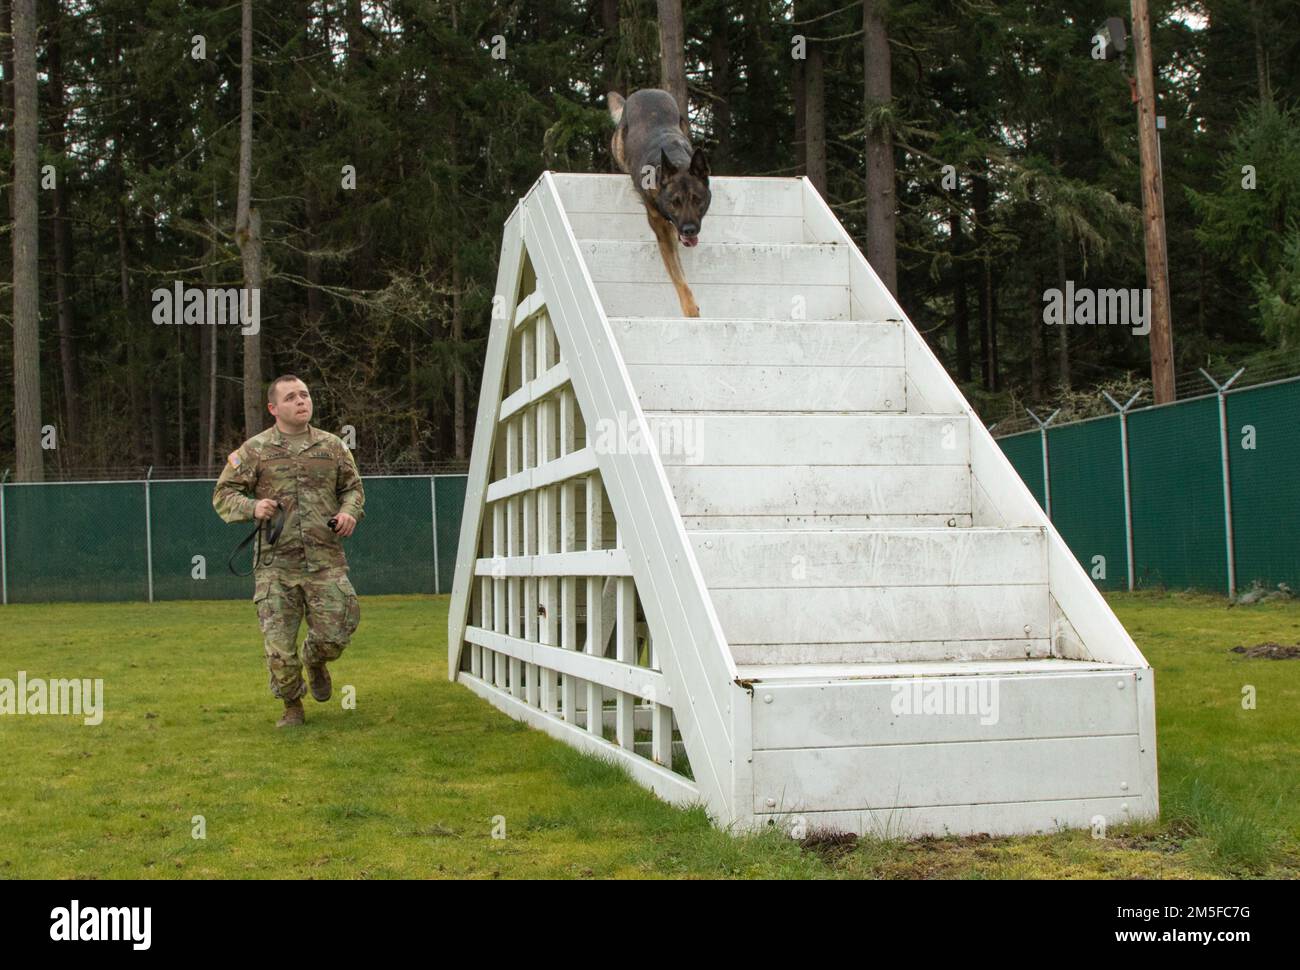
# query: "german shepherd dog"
[650,143]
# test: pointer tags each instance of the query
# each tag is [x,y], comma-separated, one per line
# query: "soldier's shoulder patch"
[234,459]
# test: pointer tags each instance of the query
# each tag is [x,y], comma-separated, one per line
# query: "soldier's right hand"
[265,508]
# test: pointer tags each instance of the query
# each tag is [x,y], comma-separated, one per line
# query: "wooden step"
[808,265]
[881,622]
[741,210]
[794,490]
[861,558]
[695,438]
[768,387]
[787,343]
[1066,736]
[741,197]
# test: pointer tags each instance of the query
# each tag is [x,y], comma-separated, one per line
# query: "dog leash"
[272,527]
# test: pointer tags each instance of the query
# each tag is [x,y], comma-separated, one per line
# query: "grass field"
[409,782]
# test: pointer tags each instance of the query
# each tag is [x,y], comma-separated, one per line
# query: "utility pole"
[1153,210]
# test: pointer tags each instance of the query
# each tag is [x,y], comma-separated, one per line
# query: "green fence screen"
[107,540]
[1025,452]
[1264,458]
[1177,482]
[1087,472]
[1176,475]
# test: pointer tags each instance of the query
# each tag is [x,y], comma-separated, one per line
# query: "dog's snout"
[690,228]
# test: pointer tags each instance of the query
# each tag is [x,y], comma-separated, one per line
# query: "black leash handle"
[272,527]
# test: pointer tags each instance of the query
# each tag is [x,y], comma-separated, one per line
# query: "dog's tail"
[615,102]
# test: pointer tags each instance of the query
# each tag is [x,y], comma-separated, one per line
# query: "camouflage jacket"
[312,481]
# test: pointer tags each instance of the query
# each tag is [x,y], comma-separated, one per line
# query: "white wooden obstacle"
[855,614]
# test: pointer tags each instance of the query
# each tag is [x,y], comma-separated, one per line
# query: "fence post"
[1221,390]
[148,532]
[4,557]
[1128,488]
[1047,472]
[433,508]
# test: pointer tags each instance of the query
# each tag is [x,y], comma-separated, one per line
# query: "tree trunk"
[720,59]
[1063,335]
[458,378]
[980,211]
[960,306]
[672,54]
[880,147]
[991,321]
[1161,338]
[799,95]
[352,21]
[609,21]
[7,56]
[1261,56]
[63,283]
[26,295]
[815,117]
[1037,352]
[248,227]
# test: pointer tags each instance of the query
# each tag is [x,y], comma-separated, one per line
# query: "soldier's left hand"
[346,524]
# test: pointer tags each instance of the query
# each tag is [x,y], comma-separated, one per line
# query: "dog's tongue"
[688,241]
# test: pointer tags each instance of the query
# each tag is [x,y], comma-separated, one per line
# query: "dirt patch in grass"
[830,845]
[1268,651]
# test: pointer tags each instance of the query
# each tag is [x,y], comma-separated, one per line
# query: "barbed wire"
[1190,384]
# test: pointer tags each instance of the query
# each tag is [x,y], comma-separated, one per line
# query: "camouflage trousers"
[332,611]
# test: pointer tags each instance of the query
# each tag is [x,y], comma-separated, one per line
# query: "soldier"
[311,475]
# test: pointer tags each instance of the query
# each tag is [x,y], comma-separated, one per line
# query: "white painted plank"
[535,390]
[820,673]
[935,520]
[717,228]
[858,655]
[930,557]
[997,819]
[730,196]
[876,614]
[683,437]
[819,490]
[509,273]
[600,562]
[981,772]
[732,264]
[787,343]
[712,387]
[926,710]
[550,472]
[763,301]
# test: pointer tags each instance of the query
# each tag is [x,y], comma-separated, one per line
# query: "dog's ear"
[615,102]
[666,168]
[700,164]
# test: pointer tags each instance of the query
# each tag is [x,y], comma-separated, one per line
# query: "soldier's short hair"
[270,390]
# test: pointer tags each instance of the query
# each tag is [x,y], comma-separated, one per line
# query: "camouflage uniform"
[313,476]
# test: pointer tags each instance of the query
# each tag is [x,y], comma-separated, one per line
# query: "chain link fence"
[1200,494]
[161,540]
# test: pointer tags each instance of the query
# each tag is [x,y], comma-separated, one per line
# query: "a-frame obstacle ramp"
[769,559]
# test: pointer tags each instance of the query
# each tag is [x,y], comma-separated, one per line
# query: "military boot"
[293,714]
[318,676]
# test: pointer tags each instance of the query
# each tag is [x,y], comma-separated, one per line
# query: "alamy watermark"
[946,696]
[77,923]
[678,436]
[1084,306]
[216,306]
[36,695]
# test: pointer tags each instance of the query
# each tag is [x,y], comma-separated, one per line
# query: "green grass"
[409,783]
